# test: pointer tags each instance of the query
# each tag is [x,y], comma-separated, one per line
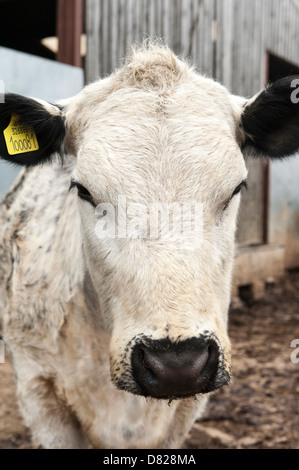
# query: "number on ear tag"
[19,138]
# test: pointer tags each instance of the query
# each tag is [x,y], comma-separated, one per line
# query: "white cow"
[119,336]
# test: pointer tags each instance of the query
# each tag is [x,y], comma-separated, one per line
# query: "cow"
[119,339]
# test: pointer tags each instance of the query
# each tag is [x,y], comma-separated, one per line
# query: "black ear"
[31,131]
[270,122]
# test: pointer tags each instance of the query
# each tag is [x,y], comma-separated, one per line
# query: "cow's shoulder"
[6,222]
[41,243]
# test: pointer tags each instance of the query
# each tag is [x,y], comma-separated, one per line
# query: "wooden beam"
[70,26]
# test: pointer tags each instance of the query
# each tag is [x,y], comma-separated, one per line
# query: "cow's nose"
[175,370]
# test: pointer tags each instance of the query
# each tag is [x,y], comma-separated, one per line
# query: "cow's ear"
[270,121]
[31,131]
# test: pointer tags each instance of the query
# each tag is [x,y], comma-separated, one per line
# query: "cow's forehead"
[178,138]
[145,143]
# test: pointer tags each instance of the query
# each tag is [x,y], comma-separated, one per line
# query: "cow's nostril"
[173,370]
[148,373]
[141,352]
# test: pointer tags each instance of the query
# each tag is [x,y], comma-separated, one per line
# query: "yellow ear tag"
[19,138]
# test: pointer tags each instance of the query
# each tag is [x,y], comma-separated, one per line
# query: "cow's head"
[155,133]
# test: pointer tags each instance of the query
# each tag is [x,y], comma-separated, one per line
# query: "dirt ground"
[260,410]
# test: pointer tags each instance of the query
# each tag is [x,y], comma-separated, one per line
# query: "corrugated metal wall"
[227,39]
[113,25]
[245,30]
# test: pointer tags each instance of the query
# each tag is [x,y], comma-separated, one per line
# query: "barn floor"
[259,410]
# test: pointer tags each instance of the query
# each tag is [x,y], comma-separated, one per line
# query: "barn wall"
[113,25]
[284,209]
[247,31]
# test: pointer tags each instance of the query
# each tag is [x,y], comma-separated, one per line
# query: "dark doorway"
[26,23]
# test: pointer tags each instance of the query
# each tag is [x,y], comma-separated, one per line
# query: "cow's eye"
[239,187]
[83,193]
[236,191]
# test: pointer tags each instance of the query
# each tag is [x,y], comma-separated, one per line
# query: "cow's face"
[159,172]
[158,290]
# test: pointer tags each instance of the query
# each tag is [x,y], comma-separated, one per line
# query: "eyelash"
[236,191]
[83,193]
